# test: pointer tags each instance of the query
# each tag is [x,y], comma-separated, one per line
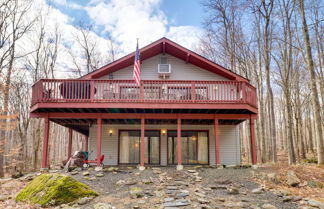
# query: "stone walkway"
[190,188]
[166,188]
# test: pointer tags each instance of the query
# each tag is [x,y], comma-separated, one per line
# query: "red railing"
[152,91]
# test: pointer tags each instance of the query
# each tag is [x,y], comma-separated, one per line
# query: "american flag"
[137,67]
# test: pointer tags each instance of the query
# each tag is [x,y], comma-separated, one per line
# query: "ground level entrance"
[194,147]
[129,147]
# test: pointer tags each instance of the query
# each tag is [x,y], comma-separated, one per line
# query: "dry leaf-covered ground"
[306,172]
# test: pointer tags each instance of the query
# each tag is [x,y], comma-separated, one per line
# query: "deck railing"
[150,91]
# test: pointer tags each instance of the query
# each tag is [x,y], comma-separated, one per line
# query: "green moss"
[54,189]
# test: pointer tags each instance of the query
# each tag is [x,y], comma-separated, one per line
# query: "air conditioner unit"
[164,70]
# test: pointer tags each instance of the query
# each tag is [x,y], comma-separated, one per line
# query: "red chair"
[86,163]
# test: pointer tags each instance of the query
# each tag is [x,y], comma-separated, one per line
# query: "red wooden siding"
[150,91]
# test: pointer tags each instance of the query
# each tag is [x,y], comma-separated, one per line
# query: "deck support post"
[216,133]
[99,140]
[70,144]
[86,144]
[142,147]
[45,143]
[179,154]
[252,143]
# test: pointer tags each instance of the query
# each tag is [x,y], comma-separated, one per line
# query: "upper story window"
[163,59]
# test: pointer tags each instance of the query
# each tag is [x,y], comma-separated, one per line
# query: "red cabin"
[185,111]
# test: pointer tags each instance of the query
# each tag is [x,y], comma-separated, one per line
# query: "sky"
[117,22]
[126,20]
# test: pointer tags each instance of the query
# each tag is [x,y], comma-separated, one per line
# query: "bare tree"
[89,50]
[265,8]
[311,70]
[16,27]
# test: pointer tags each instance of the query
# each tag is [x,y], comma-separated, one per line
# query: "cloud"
[128,19]
[123,21]
[184,35]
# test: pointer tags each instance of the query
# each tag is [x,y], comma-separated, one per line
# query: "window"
[163,60]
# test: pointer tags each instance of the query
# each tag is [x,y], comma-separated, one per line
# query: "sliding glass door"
[194,147]
[129,147]
[152,147]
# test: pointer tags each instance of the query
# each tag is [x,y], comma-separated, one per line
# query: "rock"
[44,170]
[297,198]
[255,167]
[223,182]
[268,206]
[204,206]
[218,187]
[147,181]
[74,172]
[148,193]
[230,204]
[172,187]
[287,198]
[168,199]
[192,171]
[84,200]
[273,177]
[316,203]
[128,183]
[176,203]
[158,193]
[3,198]
[120,182]
[157,170]
[179,183]
[86,173]
[54,189]
[136,192]
[102,206]
[100,175]
[282,192]
[92,178]
[183,193]
[200,194]
[257,190]
[170,191]
[292,179]
[207,189]
[27,177]
[203,201]
[141,202]
[232,190]
[98,168]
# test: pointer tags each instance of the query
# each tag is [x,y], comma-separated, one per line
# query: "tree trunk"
[315,100]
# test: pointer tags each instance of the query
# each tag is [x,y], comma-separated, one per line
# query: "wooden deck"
[86,93]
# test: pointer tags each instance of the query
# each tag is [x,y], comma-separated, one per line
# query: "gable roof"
[165,45]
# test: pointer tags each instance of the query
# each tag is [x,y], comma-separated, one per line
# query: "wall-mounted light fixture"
[110,132]
[163,131]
